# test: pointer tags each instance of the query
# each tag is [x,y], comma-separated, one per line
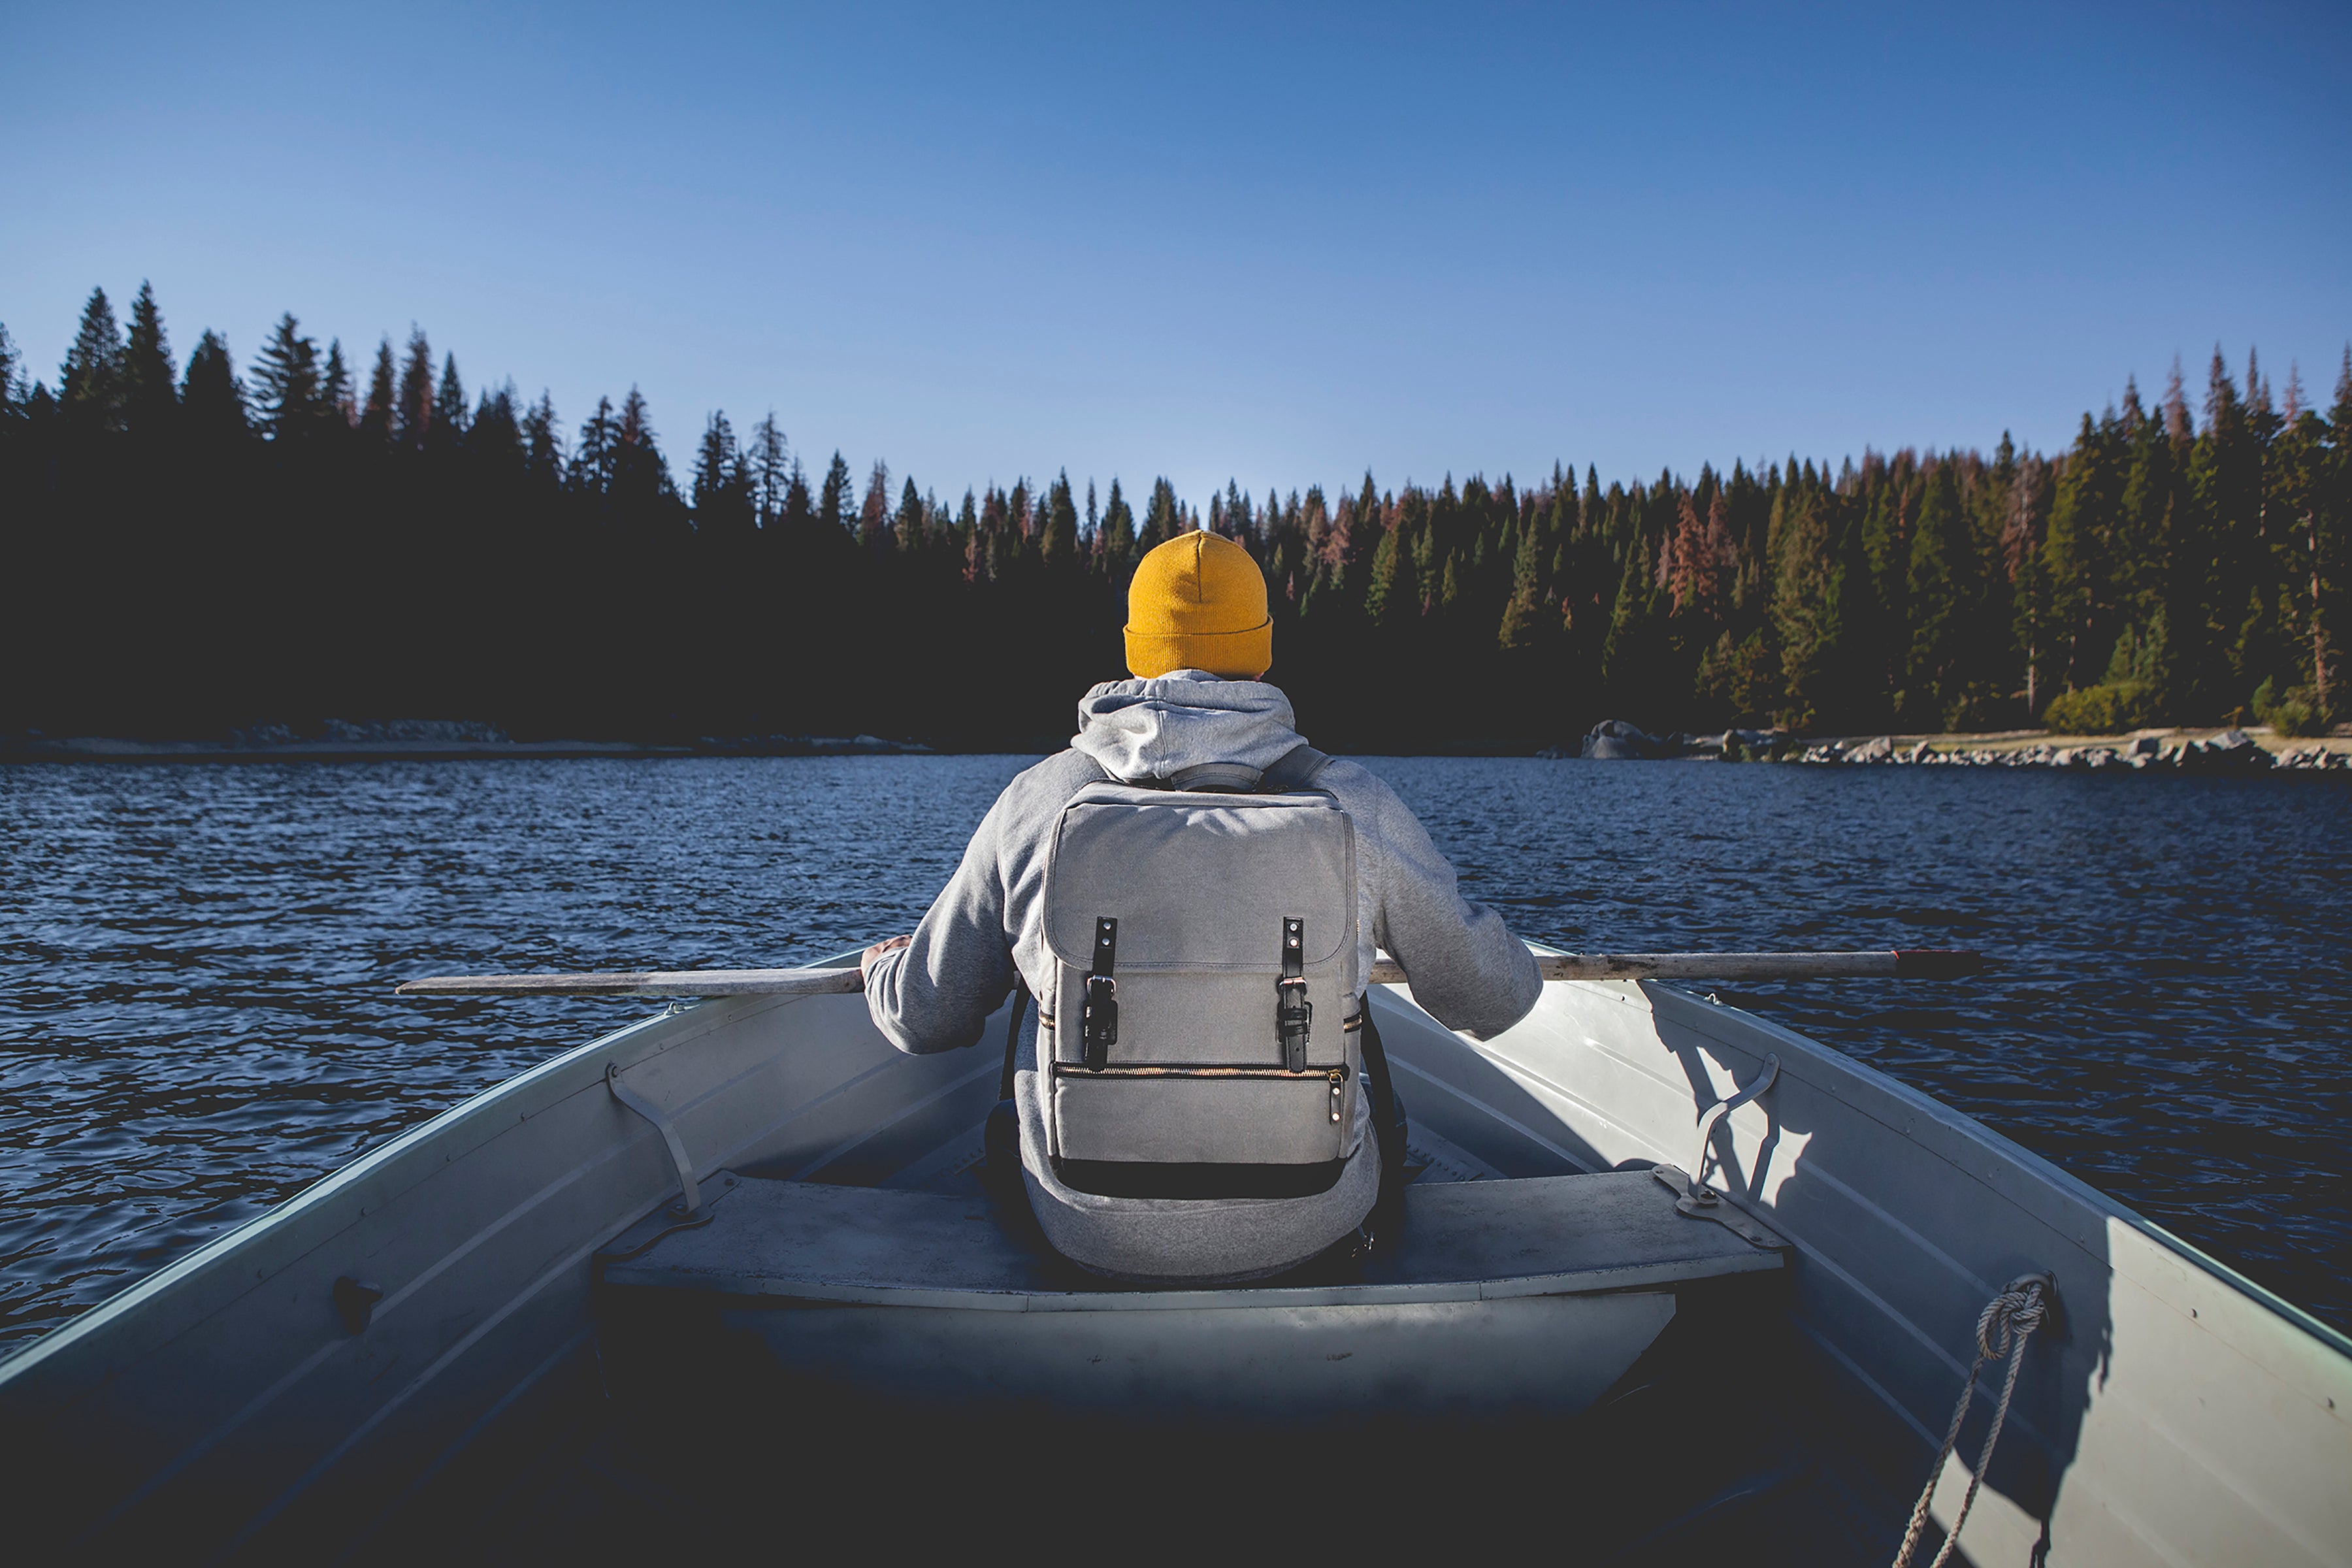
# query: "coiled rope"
[2008,1321]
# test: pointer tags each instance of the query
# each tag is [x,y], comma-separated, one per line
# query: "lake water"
[196,963]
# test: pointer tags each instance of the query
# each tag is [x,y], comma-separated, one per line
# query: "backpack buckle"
[1098,1020]
[1294,1018]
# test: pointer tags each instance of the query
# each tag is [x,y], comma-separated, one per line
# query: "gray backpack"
[1203,947]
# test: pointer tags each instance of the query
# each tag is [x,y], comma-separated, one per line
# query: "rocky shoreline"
[2231,751]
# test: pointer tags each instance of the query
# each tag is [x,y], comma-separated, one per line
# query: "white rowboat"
[735,1263]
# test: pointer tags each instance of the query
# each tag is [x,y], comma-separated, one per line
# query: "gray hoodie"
[939,990]
[1465,967]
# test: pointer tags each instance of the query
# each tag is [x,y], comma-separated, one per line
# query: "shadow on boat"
[1907,1220]
[1699,1450]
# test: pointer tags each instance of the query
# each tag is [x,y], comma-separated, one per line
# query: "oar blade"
[1937,963]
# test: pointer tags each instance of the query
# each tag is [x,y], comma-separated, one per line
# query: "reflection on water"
[196,963]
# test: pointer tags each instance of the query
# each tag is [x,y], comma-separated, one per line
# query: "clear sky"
[1281,245]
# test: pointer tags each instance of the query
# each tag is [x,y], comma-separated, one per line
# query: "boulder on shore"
[1615,739]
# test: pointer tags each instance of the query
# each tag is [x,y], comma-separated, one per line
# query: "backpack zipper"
[1337,1075]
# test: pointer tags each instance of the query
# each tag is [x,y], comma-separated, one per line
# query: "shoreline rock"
[2225,751]
[1614,740]
[2229,751]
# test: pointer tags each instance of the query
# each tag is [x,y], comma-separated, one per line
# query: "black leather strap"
[1293,1016]
[1294,770]
[1098,1020]
[1390,1128]
[1012,1034]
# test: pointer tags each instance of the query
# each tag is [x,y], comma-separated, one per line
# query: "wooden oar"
[1917,964]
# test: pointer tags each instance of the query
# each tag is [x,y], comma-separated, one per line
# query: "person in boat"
[1181,1128]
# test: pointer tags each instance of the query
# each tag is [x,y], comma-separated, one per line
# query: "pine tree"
[593,460]
[641,479]
[1528,620]
[212,401]
[798,514]
[714,461]
[2023,563]
[771,470]
[2075,555]
[494,443]
[89,382]
[1115,541]
[2309,496]
[376,414]
[833,496]
[1630,668]
[975,543]
[2330,542]
[2217,589]
[13,391]
[286,389]
[338,408]
[543,442]
[910,528]
[1163,518]
[1807,606]
[1941,577]
[2179,428]
[149,396]
[1021,510]
[411,414]
[1354,545]
[722,482]
[873,512]
[447,430]
[1060,541]
[1392,601]
[2147,511]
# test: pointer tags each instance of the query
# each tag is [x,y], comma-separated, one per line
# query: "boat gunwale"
[535,1082]
[1694,1009]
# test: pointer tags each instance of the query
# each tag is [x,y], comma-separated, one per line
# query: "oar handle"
[1916,963]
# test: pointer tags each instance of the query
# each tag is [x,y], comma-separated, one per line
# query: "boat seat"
[1509,1296]
[808,1241]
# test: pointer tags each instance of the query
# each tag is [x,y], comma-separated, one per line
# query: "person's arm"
[1467,969]
[934,991]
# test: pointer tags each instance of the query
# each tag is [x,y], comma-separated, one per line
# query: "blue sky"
[1281,245]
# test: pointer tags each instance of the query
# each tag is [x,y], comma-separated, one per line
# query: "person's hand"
[866,959]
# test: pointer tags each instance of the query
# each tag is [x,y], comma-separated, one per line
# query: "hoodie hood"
[1152,729]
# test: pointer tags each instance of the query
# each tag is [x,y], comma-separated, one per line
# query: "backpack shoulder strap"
[1294,770]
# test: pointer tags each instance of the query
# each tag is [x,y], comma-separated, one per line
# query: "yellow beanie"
[1198,602]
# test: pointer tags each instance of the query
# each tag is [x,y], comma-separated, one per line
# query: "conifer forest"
[194,546]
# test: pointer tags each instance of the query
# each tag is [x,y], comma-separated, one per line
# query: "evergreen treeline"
[190,549]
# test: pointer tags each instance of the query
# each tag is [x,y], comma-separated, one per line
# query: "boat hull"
[233,1404]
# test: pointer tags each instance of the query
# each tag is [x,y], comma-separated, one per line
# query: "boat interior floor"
[905,1363]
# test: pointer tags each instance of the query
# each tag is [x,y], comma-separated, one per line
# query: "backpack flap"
[1220,1007]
